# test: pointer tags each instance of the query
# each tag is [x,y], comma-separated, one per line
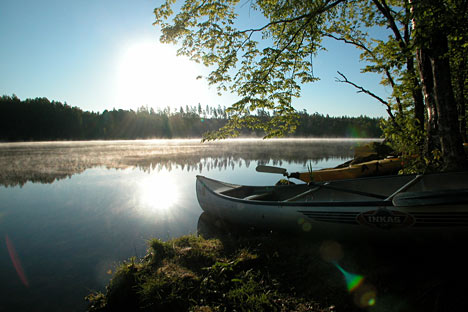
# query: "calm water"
[70,211]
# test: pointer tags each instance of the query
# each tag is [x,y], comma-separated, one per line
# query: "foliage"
[196,274]
[265,65]
[267,78]
[405,144]
[39,119]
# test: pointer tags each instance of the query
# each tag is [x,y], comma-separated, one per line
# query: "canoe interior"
[366,189]
[278,193]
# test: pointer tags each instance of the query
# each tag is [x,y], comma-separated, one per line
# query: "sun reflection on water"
[158,193]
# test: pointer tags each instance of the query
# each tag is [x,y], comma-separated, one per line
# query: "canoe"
[387,166]
[377,204]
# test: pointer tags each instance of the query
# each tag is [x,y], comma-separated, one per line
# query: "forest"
[41,120]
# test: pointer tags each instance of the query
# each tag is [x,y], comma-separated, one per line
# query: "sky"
[105,54]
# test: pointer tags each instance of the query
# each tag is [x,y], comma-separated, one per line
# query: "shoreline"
[247,270]
[192,273]
[197,140]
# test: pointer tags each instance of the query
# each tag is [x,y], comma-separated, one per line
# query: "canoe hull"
[351,217]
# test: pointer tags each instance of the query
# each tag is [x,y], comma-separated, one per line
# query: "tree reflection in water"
[46,162]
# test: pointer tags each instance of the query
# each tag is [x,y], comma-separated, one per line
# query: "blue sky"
[104,54]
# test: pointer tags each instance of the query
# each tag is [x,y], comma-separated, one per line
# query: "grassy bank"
[281,272]
[261,273]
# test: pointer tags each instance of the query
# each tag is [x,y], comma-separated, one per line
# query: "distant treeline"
[40,119]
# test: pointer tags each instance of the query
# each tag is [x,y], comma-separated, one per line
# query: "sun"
[150,74]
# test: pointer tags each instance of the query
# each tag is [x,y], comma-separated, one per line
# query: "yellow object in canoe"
[366,169]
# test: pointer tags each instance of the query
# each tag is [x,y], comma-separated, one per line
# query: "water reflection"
[62,239]
[51,161]
[158,193]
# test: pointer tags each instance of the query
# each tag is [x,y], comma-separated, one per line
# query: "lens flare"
[16,262]
[306,227]
[354,132]
[353,281]
[365,296]
[331,251]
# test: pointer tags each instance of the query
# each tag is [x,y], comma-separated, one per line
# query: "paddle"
[271,169]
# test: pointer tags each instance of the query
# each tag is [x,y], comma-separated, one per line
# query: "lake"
[71,211]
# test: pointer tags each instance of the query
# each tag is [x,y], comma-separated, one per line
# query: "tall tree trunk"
[432,52]
[449,134]
[416,93]
[418,99]
[427,83]
[460,96]
[462,115]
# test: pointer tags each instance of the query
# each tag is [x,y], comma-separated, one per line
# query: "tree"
[266,64]
[433,24]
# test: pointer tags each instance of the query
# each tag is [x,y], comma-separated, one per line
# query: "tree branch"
[294,19]
[361,89]
[309,17]
[385,10]
[365,48]
[279,52]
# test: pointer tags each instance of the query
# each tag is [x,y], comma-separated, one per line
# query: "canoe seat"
[258,196]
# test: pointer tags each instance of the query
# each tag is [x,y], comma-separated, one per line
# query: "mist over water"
[71,211]
[46,162]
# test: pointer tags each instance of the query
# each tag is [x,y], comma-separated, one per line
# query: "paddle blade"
[270,169]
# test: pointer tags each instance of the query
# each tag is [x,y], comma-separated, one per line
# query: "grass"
[192,273]
[279,272]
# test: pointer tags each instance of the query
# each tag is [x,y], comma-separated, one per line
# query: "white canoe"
[378,204]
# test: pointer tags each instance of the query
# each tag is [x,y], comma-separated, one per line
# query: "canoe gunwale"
[366,203]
